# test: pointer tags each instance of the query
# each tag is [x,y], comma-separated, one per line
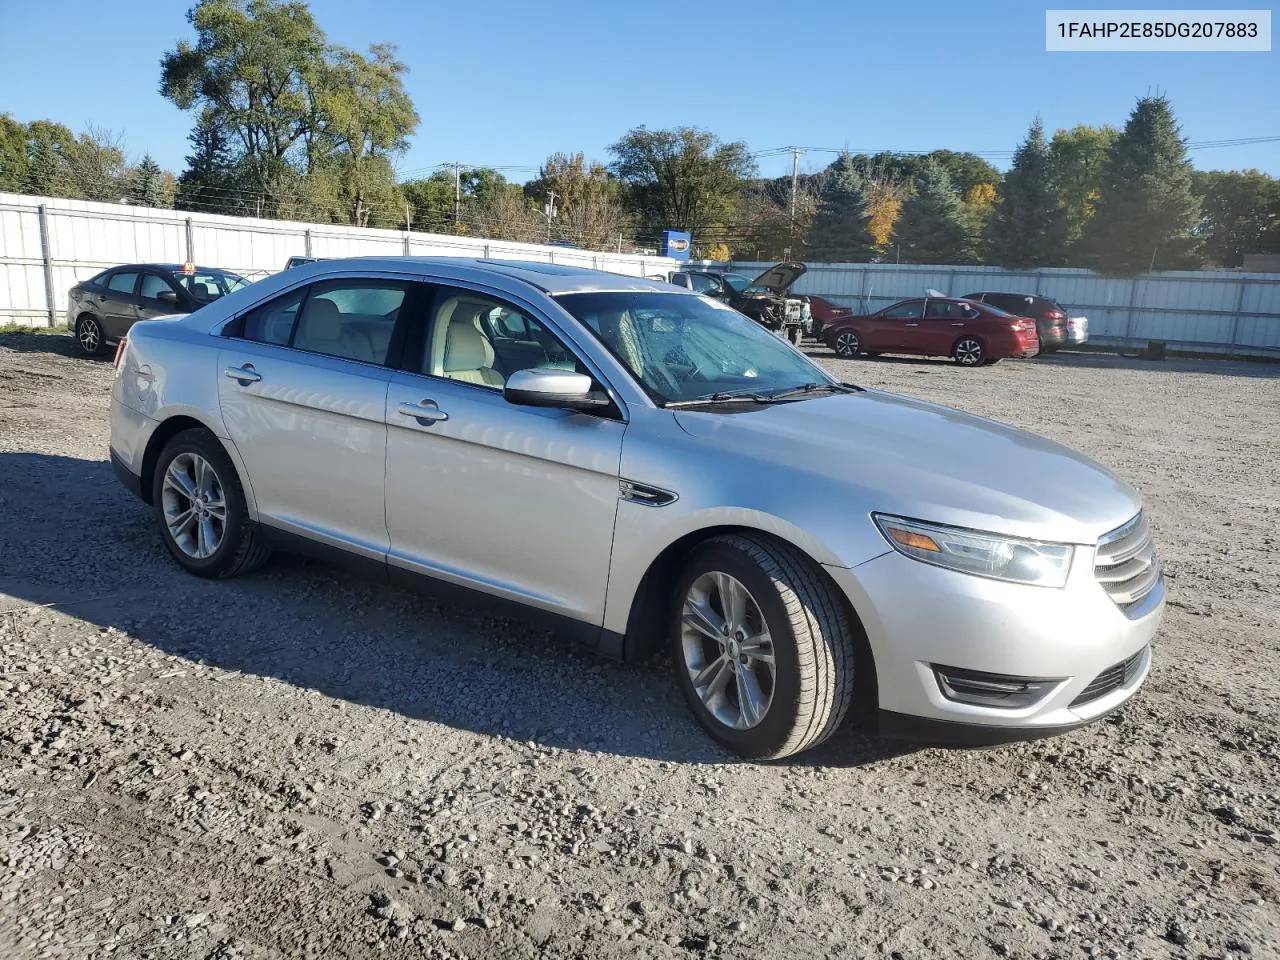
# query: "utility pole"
[795,178]
[549,211]
[457,194]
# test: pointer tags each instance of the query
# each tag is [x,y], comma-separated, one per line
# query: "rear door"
[119,303]
[302,383]
[945,322]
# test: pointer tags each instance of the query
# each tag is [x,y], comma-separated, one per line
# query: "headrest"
[324,321]
[464,347]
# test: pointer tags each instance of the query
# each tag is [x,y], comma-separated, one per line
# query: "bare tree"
[94,167]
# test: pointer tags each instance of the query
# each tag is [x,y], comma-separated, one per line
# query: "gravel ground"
[301,763]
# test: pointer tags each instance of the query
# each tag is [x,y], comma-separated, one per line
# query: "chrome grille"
[1125,564]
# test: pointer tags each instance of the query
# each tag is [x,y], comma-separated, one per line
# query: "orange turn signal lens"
[909,538]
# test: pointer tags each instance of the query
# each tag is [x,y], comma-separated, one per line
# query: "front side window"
[122,281]
[704,284]
[208,285]
[154,285]
[682,348]
[907,310]
[478,339]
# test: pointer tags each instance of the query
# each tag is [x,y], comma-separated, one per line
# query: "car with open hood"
[649,471]
[765,299]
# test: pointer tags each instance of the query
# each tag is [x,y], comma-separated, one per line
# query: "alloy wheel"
[728,651]
[90,335]
[847,344]
[195,508]
[968,352]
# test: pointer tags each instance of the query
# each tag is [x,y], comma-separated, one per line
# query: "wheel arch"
[649,605]
[170,428]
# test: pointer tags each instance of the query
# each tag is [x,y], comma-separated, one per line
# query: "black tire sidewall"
[771,733]
[205,444]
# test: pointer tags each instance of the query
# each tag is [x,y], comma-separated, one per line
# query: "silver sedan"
[650,471]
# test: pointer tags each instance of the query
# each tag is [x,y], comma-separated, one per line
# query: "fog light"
[992,689]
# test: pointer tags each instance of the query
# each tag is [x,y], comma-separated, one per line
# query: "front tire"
[89,336]
[969,352]
[764,649]
[795,335]
[847,344]
[201,510]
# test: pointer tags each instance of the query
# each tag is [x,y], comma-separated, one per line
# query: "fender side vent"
[644,494]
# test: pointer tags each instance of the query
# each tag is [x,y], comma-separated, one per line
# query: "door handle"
[243,375]
[911,324]
[424,412]
[959,323]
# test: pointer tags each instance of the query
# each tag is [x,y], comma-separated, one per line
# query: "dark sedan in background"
[970,333]
[1049,315]
[101,310]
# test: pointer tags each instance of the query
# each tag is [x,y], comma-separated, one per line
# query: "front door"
[303,390]
[518,502]
[889,330]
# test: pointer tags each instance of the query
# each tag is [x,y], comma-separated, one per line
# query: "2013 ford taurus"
[650,470]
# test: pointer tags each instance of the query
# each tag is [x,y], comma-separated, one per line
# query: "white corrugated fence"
[48,245]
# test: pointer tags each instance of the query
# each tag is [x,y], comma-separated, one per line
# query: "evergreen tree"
[209,184]
[1147,207]
[148,187]
[1029,228]
[932,227]
[839,230]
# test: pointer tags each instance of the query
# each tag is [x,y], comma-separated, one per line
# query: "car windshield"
[209,285]
[686,348]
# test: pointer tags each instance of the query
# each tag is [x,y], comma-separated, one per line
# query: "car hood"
[929,462]
[780,277]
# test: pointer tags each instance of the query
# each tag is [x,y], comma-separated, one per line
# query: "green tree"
[94,167]
[211,182]
[1146,210]
[367,117]
[839,230]
[255,71]
[430,201]
[590,213]
[49,145]
[148,187]
[1240,214]
[1077,157]
[932,227]
[1029,226]
[13,155]
[682,179]
[964,170]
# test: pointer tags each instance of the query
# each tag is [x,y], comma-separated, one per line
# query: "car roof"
[177,267]
[550,278]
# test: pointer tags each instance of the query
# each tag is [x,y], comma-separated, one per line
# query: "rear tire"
[969,352]
[797,698]
[89,336]
[200,508]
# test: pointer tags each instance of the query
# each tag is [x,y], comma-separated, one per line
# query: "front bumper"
[917,616]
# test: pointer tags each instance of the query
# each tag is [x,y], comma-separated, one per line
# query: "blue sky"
[505,83]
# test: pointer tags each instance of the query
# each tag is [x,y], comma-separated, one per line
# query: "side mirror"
[563,389]
[167,296]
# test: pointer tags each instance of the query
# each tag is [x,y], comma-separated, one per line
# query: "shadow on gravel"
[57,344]
[72,539]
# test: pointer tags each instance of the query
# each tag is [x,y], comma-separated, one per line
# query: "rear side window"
[122,281]
[350,319]
[273,322]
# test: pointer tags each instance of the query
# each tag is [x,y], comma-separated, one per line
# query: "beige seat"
[321,330]
[468,356]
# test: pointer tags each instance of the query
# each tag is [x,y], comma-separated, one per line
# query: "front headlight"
[982,554]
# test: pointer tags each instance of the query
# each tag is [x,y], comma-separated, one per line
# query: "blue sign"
[675,245]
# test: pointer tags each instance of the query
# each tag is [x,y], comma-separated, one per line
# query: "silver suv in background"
[648,470]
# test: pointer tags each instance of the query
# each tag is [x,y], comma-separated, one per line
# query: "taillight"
[1054,315]
[120,352]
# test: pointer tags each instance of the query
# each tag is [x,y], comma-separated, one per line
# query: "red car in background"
[824,313]
[970,333]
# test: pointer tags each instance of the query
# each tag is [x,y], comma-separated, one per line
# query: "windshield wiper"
[720,398]
[811,388]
